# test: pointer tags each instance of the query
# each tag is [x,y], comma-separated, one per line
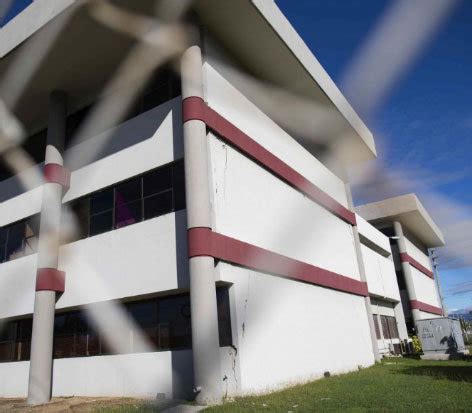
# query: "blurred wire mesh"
[403,32]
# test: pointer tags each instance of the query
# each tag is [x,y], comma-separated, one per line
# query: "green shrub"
[416,344]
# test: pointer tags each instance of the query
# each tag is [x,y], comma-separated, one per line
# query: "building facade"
[412,233]
[217,254]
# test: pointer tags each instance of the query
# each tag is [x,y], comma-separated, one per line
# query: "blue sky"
[427,120]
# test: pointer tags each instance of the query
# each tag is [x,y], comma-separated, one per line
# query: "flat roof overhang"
[80,62]
[255,33]
[408,210]
[262,40]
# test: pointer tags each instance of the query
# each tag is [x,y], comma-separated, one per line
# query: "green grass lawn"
[394,385]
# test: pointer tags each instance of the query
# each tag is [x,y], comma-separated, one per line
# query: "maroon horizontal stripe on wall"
[50,279]
[427,308]
[205,242]
[405,257]
[58,174]
[194,108]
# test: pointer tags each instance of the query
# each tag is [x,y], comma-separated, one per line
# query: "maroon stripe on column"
[427,308]
[405,257]
[205,242]
[50,279]
[58,174]
[194,108]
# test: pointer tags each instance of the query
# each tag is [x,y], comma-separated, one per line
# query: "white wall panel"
[145,142]
[14,379]
[139,259]
[252,205]
[373,234]
[425,288]
[380,273]
[231,104]
[418,254]
[17,286]
[138,375]
[21,206]
[290,332]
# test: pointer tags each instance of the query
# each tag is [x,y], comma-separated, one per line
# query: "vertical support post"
[415,313]
[360,263]
[434,264]
[203,307]
[400,317]
[49,280]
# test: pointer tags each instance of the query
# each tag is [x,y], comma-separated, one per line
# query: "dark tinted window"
[179,186]
[377,328]
[16,240]
[174,322]
[101,201]
[164,321]
[148,196]
[100,223]
[157,181]
[128,203]
[156,205]
[224,317]
[389,327]
[101,212]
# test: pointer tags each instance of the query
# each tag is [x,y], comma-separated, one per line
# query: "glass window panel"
[81,210]
[377,328]
[179,186]
[127,214]
[128,191]
[385,330]
[24,349]
[31,234]
[101,201]
[3,253]
[224,317]
[25,329]
[174,322]
[8,331]
[157,181]
[81,341]
[101,223]
[145,315]
[16,238]
[3,235]
[93,344]
[64,323]
[7,351]
[158,205]
[64,346]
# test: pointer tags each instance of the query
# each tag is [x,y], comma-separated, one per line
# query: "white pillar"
[360,263]
[400,318]
[415,313]
[205,338]
[40,377]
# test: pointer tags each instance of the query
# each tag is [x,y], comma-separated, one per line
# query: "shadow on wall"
[125,135]
[453,373]
[451,343]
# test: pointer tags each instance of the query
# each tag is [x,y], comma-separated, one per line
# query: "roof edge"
[287,33]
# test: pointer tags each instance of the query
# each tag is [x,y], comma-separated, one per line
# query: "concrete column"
[397,227]
[205,338]
[40,377]
[401,324]
[360,263]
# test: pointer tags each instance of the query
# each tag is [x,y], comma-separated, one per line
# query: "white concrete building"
[218,229]
[412,233]
[383,287]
